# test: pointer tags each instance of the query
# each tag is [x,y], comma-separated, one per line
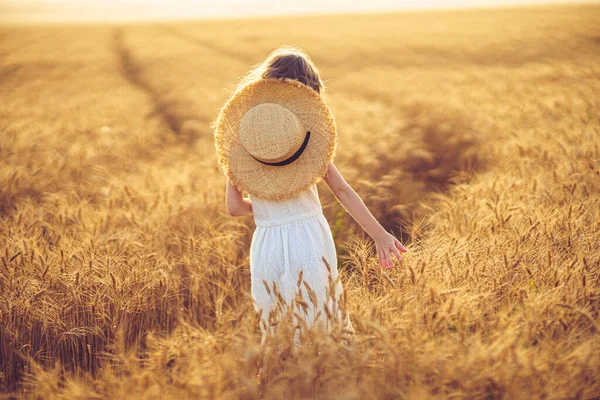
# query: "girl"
[275,138]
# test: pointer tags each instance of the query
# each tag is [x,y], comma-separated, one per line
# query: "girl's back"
[270,213]
[292,236]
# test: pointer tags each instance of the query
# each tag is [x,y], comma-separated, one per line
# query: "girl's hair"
[287,62]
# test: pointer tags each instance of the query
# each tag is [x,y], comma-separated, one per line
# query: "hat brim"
[276,182]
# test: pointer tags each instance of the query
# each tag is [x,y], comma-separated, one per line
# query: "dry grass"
[474,135]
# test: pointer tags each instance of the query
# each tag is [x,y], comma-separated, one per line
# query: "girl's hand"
[385,242]
[385,245]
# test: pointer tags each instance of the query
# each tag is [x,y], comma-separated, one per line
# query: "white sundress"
[290,236]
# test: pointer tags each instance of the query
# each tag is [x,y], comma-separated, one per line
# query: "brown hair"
[287,62]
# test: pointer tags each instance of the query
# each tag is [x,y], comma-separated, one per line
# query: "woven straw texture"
[275,182]
[271,132]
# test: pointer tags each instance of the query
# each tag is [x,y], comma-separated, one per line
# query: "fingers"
[399,246]
[397,254]
[382,259]
[388,259]
[384,255]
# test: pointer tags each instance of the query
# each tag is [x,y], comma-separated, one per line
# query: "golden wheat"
[473,135]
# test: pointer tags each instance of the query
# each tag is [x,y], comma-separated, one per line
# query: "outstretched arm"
[236,204]
[385,242]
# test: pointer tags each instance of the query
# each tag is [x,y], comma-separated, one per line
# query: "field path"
[132,70]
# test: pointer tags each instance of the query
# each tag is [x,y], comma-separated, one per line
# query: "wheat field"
[474,136]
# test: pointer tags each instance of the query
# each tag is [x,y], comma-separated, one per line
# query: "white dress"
[292,236]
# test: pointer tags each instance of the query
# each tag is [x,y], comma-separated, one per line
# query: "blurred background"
[132,10]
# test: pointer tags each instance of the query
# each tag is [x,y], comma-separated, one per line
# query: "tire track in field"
[165,108]
[444,150]
[240,57]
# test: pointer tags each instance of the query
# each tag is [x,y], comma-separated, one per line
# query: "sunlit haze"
[119,10]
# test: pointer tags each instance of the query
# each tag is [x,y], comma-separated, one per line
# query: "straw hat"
[275,138]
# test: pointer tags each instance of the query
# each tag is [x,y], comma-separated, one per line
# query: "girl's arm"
[236,204]
[385,242]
